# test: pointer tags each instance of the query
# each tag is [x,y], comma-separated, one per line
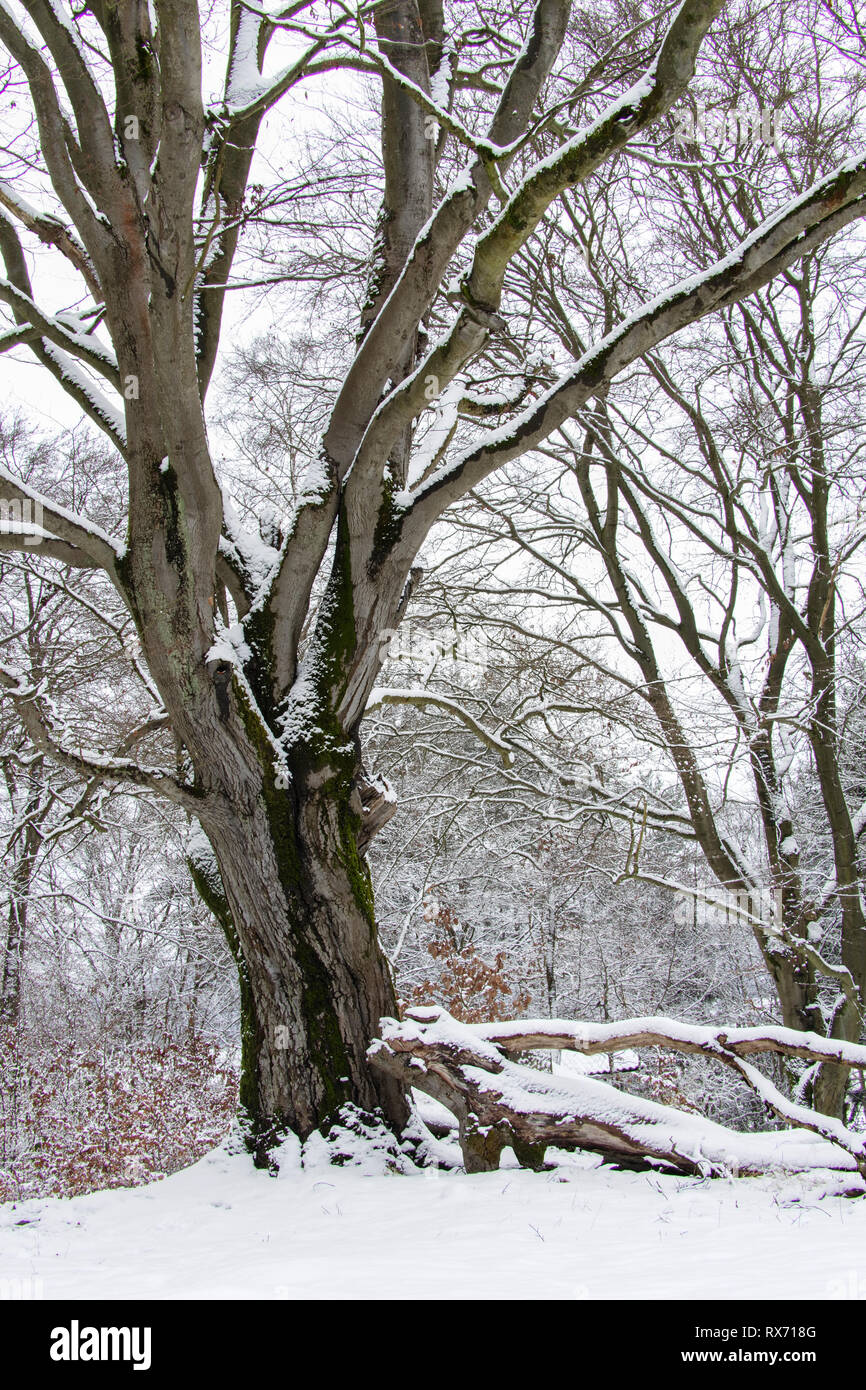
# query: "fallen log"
[499,1104]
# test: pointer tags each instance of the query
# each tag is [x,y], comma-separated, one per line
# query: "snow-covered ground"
[222,1230]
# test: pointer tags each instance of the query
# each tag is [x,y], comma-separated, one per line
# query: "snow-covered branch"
[96,547]
[87,762]
[422,698]
[500,1104]
[81,345]
[832,203]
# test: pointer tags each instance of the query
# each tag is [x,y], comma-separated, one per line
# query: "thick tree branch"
[59,147]
[425,267]
[827,207]
[52,232]
[29,541]
[61,366]
[85,536]
[81,345]
[651,96]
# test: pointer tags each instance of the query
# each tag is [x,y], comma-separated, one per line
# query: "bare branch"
[422,698]
[88,763]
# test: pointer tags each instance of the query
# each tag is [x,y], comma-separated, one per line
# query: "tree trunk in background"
[16,934]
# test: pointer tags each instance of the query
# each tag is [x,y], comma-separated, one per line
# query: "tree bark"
[294,897]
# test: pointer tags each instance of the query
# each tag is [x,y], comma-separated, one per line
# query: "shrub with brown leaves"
[75,1120]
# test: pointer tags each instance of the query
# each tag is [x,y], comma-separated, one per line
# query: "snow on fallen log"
[521,1035]
[499,1104]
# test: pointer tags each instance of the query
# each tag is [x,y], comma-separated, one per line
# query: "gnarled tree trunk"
[295,900]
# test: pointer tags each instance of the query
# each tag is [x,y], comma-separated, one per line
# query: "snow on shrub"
[78,1119]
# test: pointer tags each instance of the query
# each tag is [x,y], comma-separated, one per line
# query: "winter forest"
[432,606]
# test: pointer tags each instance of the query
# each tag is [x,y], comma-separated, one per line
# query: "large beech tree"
[264,652]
